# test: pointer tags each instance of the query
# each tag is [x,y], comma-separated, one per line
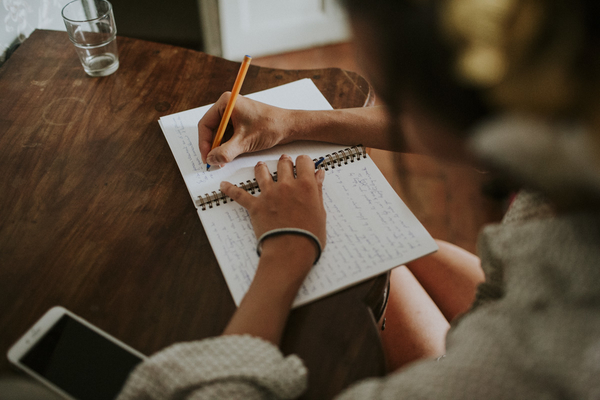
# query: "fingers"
[320,177]
[244,198]
[287,202]
[262,175]
[256,126]
[226,152]
[285,169]
[204,148]
[285,172]
[208,125]
[305,168]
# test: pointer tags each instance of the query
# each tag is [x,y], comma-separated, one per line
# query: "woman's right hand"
[256,126]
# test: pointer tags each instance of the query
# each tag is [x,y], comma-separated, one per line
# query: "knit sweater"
[533,332]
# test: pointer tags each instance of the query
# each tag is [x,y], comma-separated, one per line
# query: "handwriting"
[369,231]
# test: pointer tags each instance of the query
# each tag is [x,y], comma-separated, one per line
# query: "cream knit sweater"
[533,333]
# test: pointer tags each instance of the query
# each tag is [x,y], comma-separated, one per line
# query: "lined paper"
[181,132]
[369,229]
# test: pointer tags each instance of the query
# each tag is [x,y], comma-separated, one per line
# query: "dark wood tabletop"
[95,216]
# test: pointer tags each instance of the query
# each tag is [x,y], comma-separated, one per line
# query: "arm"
[366,125]
[291,202]
[258,126]
[245,362]
[265,307]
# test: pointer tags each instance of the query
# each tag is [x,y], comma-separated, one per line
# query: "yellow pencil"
[239,81]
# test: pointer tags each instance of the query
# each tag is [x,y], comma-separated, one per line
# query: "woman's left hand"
[291,202]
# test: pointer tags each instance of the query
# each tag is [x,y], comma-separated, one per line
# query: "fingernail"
[285,157]
[223,185]
[258,164]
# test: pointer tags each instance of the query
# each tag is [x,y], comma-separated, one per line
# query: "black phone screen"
[80,361]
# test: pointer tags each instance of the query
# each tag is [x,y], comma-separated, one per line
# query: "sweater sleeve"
[232,367]
[525,207]
[486,359]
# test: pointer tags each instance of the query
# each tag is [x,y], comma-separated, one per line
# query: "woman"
[509,85]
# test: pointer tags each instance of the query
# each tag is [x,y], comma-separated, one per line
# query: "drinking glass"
[91,27]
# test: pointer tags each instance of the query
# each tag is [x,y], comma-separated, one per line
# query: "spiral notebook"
[369,229]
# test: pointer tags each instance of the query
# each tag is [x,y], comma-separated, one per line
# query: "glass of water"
[91,27]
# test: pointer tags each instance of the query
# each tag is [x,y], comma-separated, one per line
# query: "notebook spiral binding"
[350,154]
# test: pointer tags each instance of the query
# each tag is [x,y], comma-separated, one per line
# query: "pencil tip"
[207,167]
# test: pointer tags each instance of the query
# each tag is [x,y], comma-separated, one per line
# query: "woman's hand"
[256,126]
[291,202]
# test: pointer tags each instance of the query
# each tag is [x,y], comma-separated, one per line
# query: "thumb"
[235,193]
[226,152]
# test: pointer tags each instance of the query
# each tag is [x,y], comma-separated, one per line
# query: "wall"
[18,18]
[234,28]
[175,22]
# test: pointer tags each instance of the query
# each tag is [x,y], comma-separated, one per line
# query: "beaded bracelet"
[294,231]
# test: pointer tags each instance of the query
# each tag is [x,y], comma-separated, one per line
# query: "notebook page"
[181,132]
[369,231]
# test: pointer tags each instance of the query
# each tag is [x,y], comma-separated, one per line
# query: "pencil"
[239,81]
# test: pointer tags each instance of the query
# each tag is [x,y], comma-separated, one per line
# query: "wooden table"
[95,216]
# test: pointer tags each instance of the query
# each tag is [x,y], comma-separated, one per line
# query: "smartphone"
[73,357]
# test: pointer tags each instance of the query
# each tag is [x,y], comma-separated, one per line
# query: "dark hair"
[416,61]
[556,73]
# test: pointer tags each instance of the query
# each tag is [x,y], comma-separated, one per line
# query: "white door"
[233,28]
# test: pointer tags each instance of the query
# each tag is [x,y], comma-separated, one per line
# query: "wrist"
[289,254]
[280,274]
[323,125]
[299,125]
[291,231]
